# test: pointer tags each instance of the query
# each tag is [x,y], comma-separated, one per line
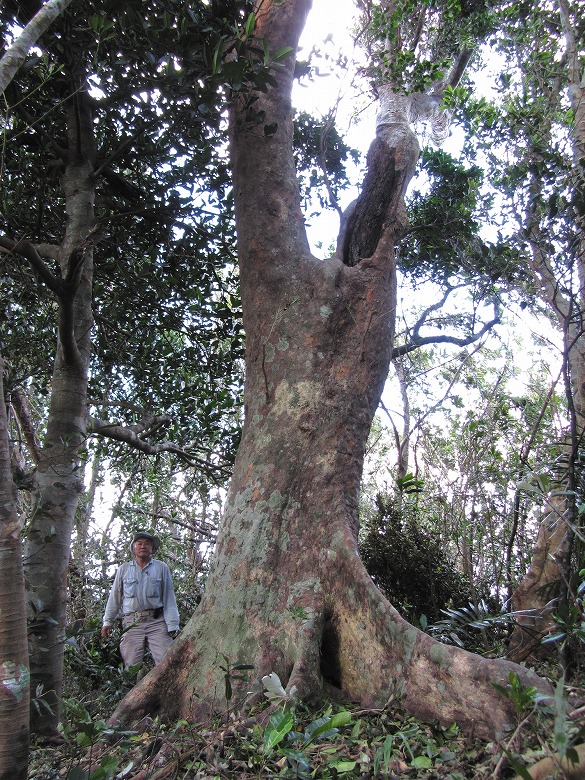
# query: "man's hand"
[174,634]
[106,631]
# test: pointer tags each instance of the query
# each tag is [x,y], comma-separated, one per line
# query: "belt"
[143,613]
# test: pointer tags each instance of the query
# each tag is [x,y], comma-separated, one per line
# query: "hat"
[146,535]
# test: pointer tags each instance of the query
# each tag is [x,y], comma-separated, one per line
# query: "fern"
[468,626]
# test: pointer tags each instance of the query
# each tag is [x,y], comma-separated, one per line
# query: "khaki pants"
[147,631]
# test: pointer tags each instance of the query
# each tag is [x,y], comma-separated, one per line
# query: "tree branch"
[132,436]
[27,250]
[21,409]
[459,67]
[419,341]
[16,54]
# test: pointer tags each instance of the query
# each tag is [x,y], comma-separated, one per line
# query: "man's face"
[142,548]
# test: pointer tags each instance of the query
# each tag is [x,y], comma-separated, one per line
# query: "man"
[143,597]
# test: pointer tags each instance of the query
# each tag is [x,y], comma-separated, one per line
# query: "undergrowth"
[284,739]
[290,741]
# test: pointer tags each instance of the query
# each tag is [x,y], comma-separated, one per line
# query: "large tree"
[288,592]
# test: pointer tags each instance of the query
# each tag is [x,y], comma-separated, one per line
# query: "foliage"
[444,241]
[94,668]
[282,739]
[523,698]
[569,617]
[409,562]
[292,744]
[472,627]
[321,156]
[535,710]
[158,77]
[333,742]
[414,45]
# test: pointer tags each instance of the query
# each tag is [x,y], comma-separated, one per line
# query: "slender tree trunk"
[14,669]
[552,553]
[403,442]
[59,475]
[16,54]
[288,592]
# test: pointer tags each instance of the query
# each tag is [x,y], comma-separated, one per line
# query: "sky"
[328,28]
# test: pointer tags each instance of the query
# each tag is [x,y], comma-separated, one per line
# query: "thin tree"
[14,671]
[16,53]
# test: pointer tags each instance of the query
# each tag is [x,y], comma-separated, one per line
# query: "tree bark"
[534,599]
[14,669]
[288,592]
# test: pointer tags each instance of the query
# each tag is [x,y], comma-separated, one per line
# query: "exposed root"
[382,657]
[359,649]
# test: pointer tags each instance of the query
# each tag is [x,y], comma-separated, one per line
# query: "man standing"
[143,597]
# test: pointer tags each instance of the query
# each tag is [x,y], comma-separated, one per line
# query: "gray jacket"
[137,589]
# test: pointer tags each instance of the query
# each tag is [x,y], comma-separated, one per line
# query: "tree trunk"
[288,592]
[14,670]
[16,54]
[533,599]
[552,553]
[59,474]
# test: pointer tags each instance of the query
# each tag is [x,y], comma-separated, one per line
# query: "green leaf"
[216,62]
[318,728]
[422,762]
[340,719]
[278,727]
[282,54]
[344,766]
[250,24]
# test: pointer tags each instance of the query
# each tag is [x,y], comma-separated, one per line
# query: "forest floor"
[336,742]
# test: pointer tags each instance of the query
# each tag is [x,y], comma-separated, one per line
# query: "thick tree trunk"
[288,592]
[14,669]
[59,474]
